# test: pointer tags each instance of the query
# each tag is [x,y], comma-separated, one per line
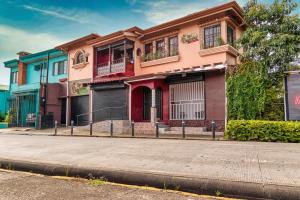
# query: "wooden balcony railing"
[116,66]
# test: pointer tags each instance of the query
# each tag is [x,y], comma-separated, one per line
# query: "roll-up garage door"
[110,104]
[80,110]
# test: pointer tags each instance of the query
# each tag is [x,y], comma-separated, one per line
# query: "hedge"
[259,130]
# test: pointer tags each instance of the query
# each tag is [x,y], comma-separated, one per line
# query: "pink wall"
[189,54]
[83,71]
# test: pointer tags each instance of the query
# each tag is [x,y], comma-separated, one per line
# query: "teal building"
[4,93]
[37,88]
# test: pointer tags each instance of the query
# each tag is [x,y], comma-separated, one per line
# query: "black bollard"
[213,129]
[72,126]
[132,128]
[91,128]
[183,129]
[111,128]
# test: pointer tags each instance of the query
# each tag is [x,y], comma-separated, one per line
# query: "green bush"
[259,130]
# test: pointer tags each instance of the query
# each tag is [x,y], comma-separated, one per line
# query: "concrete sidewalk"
[269,170]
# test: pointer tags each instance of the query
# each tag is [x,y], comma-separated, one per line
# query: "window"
[230,35]
[14,77]
[173,46]
[148,48]
[79,58]
[187,101]
[160,46]
[60,67]
[212,36]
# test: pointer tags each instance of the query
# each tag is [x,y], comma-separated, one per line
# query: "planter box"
[3,125]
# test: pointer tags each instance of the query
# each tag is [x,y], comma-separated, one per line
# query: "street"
[24,186]
[257,162]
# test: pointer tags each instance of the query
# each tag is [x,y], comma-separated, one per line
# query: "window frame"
[211,40]
[170,45]
[233,37]
[60,69]
[14,77]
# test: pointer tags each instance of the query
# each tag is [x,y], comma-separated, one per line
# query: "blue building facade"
[4,93]
[37,88]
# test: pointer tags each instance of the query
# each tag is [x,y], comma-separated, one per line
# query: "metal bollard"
[111,128]
[157,129]
[213,129]
[91,128]
[55,128]
[72,126]
[132,128]
[183,129]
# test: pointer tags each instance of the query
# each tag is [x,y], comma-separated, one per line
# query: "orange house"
[168,73]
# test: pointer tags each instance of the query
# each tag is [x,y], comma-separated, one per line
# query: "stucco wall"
[83,72]
[188,52]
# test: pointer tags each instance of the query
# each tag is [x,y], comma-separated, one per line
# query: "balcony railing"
[158,55]
[116,66]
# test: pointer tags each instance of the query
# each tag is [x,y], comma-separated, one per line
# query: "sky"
[37,25]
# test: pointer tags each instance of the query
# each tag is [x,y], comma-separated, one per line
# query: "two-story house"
[80,74]
[38,88]
[180,68]
[170,73]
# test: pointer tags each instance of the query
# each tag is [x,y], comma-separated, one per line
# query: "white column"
[153,107]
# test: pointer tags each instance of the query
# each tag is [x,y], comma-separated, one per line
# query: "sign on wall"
[293,97]
[78,88]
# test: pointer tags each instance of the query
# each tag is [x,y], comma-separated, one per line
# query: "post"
[213,129]
[72,126]
[111,128]
[157,129]
[91,128]
[55,128]
[183,129]
[132,128]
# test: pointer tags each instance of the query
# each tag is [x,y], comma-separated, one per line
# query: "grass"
[97,182]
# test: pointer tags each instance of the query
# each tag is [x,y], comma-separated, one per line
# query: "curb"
[164,181]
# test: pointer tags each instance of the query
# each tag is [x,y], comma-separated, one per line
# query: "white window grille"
[187,101]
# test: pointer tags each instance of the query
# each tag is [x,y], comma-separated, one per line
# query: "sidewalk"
[266,170]
[66,131]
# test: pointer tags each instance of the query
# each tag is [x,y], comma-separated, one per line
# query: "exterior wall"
[214,103]
[81,71]
[189,53]
[56,78]
[3,102]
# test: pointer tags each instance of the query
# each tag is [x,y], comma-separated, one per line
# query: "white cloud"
[75,15]
[161,11]
[13,40]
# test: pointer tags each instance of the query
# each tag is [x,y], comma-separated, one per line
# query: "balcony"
[115,59]
[116,66]
[159,58]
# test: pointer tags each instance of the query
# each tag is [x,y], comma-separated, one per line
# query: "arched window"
[79,58]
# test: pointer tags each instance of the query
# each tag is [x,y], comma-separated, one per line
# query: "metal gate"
[187,101]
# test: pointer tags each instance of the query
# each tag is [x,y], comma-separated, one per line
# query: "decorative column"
[153,106]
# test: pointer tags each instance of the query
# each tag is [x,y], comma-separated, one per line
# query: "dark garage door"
[79,106]
[110,104]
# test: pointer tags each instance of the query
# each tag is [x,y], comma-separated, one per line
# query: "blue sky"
[36,25]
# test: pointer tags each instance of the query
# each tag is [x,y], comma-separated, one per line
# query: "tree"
[271,44]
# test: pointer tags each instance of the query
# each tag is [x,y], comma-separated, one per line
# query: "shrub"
[267,131]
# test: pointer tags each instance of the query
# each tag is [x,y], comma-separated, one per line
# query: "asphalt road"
[266,163]
[23,186]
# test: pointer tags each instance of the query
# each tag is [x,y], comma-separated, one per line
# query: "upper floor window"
[14,77]
[79,58]
[173,46]
[212,36]
[230,35]
[148,48]
[60,67]
[160,48]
